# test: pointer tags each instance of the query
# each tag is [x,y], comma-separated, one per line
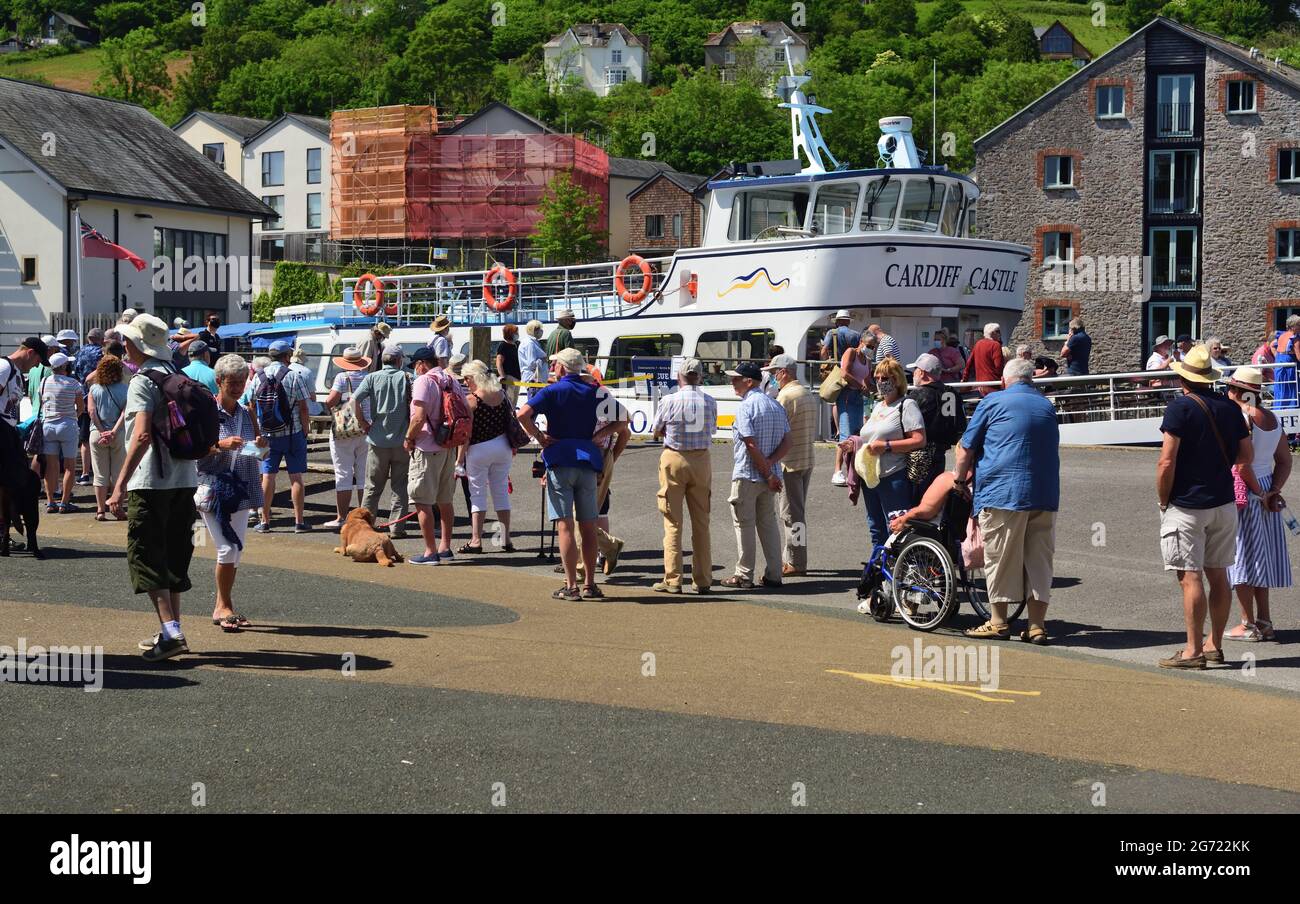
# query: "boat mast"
[804,130]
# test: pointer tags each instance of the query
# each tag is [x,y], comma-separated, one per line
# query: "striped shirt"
[762,419]
[888,348]
[346,384]
[687,419]
[801,411]
[59,395]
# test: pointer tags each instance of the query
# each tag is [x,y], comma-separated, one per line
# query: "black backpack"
[271,403]
[186,423]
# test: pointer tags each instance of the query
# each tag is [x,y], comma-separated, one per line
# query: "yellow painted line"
[726,420]
[606,382]
[914,684]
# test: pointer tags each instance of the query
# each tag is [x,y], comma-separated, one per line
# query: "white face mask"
[886,387]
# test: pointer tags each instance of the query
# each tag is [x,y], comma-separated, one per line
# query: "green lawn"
[1075,16]
[76,71]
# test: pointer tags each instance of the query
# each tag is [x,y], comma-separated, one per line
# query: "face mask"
[886,387]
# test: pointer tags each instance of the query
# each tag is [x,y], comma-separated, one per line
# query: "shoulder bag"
[833,382]
[919,461]
[345,424]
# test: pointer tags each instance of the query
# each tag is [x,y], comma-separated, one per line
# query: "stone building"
[664,214]
[1159,188]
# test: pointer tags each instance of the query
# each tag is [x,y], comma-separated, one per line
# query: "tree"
[894,17]
[1139,12]
[1018,43]
[134,69]
[114,20]
[944,11]
[311,75]
[450,57]
[568,231]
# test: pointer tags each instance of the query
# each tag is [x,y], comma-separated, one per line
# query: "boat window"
[332,369]
[834,208]
[722,350]
[922,203]
[878,205]
[948,220]
[753,212]
[625,348]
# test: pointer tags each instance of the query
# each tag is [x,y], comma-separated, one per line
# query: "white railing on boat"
[541,293]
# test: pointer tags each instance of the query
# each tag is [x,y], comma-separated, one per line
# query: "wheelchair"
[919,573]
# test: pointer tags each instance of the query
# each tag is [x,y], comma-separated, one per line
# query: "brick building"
[1174,158]
[664,214]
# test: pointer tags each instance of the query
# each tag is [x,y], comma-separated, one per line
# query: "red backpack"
[457,421]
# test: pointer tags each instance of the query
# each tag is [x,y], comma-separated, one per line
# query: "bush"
[296,283]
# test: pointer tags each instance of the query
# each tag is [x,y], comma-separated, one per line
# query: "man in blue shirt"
[760,438]
[570,449]
[1013,445]
[1077,350]
[198,369]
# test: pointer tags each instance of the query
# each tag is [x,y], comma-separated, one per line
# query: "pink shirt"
[425,391]
[855,367]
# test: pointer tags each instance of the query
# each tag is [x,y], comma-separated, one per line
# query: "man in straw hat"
[155,493]
[372,347]
[347,442]
[1204,436]
[441,341]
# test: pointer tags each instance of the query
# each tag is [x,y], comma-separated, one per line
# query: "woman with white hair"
[230,485]
[62,401]
[487,456]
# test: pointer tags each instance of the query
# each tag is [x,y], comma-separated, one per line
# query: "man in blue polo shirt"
[573,463]
[1013,445]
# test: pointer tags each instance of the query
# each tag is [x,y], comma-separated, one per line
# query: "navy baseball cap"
[1184,338]
[37,346]
[423,353]
[746,369]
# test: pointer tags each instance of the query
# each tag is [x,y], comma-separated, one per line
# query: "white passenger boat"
[785,245]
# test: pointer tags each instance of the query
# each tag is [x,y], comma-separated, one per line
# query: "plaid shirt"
[759,416]
[687,418]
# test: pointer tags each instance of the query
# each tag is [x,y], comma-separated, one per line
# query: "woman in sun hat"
[1262,559]
[63,401]
[348,453]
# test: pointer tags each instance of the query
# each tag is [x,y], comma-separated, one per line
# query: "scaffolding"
[368,169]
[491,186]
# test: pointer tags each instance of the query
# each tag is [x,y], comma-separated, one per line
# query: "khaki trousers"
[685,480]
[391,466]
[753,511]
[794,508]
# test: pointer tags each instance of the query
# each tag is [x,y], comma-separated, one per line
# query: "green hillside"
[1075,16]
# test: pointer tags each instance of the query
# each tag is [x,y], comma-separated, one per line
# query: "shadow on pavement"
[332,631]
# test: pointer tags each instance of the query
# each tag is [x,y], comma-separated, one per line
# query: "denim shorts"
[571,491]
[292,448]
[60,438]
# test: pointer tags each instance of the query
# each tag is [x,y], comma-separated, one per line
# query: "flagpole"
[81,317]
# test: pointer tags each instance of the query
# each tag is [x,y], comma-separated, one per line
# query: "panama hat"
[351,359]
[1248,378]
[440,323]
[1196,366]
[149,334]
[867,466]
[382,328]
[572,360]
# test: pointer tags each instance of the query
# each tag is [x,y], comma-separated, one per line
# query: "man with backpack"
[174,423]
[440,421]
[945,419]
[279,409]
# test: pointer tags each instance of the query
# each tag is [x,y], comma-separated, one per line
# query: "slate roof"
[687,182]
[242,126]
[636,168]
[469,120]
[320,126]
[773,32]
[108,148]
[597,34]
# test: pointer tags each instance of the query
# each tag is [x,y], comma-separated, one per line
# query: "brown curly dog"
[363,543]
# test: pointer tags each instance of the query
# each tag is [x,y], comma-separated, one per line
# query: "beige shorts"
[1018,550]
[432,477]
[1196,539]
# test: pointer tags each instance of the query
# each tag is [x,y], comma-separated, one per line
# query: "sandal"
[990,631]
[467,548]
[737,582]
[229,624]
[592,593]
[1250,633]
[566,593]
[1265,629]
[243,622]
[509,547]
[101,516]
[1036,636]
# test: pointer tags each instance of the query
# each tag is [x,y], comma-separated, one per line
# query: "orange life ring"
[489,296]
[371,308]
[647,283]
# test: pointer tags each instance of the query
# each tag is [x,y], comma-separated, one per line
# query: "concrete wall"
[293,139]
[31,225]
[198,132]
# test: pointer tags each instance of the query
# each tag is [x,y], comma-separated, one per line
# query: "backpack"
[187,424]
[271,403]
[454,430]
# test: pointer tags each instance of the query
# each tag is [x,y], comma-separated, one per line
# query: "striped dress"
[1262,559]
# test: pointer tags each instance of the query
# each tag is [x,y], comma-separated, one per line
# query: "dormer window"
[616,57]
[780,54]
[730,57]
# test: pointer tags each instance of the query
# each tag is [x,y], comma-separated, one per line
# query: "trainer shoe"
[839,480]
[663,587]
[262,527]
[302,528]
[85,480]
[425,560]
[334,525]
[166,649]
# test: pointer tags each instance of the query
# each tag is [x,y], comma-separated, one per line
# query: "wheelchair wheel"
[978,595]
[925,583]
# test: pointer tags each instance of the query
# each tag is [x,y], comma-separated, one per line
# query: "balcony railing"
[1179,277]
[1174,120]
[1180,203]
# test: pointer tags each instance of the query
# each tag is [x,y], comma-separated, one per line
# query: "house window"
[1173,258]
[730,57]
[30,271]
[1176,318]
[834,209]
[1280,316]
[616,57]
[216,153]
[1110,102]
[313,211]
[780,55]
[313,166]
[1241,96]
[273,168]
[615,76]
[654,226]
[723,350]
[1058,248]
[625,348]
[1288,244]
[677,226]
[1174,181]
[276,203]
[273,249]
[1288,165]
[1058,172]
[188,243]
[1056,322]
[1174,105]
[1058,42]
